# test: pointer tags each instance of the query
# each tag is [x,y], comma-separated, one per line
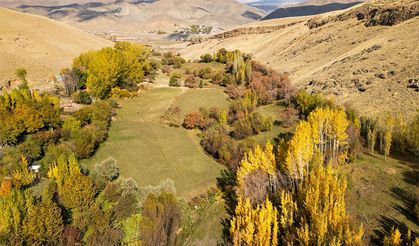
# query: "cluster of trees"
[225,132]
[80,208]
[392,134]
[122,67]
[243,74]
[294,196]
[83,131]
[174,60]
[23,112]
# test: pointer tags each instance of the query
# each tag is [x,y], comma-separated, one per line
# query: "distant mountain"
[134,16]
[271,5]
[304,10]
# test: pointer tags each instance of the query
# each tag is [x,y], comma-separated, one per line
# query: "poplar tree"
[254,226]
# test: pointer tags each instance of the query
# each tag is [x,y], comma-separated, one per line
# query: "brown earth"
[347,57]
[40,45]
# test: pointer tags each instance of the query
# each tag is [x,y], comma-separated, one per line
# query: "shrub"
[106,171]
[242,129]
[82,97]
[213,139]
[194,120]
[173,60]
[289,117]
[122,93]
[207,58]
[174,82]
[205,73]
[192,82]
[306,102]
[217,78]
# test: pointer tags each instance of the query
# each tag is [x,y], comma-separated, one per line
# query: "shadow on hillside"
[411,177]
[409,201]
[387,223]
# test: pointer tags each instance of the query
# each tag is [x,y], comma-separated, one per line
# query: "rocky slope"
[364,56]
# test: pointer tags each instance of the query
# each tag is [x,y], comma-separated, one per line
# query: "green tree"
[161,219]
[77,192]
[43,224]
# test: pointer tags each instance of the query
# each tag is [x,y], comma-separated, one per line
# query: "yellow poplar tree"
[23,176]
[329,131]
[300,151]
[254,226]
[387,142]
[322,196]
[63,168]
[259,159]
[394,239]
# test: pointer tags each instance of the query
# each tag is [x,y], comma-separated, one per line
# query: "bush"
[194,120]
[173,60]
[174,82]
[306,102]
[106,171]
[207,58]
[242,129]
[122,93]
[217,78]
[192,82]
[213,139]
[204,73]
[289,117]
[82,97]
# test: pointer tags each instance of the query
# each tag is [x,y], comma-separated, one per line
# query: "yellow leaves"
[324,131]
[288,208]
[300,151]
[22,176]
[255,226]
[259,159]
[63,168]
[329,130]
[394,239]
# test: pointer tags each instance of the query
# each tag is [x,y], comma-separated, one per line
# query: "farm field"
[150,151]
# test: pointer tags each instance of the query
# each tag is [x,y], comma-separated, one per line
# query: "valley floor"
[150,151]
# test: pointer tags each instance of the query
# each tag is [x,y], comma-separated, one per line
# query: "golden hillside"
[40,45]
[367,62]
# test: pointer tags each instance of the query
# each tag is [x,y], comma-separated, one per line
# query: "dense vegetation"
[290,191]
[110,70]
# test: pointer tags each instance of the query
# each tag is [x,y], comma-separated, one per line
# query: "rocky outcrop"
[374,13]
[252,30]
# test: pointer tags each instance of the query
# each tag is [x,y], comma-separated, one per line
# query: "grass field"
[150,151]
[382,193]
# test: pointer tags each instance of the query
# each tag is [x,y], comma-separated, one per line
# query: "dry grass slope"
[40,45]
[368,67]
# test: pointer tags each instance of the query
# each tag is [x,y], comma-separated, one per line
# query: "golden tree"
[258,159]
[300,151]
[329,131]
[254,226]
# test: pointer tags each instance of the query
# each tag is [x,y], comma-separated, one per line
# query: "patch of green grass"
[150,151]
[194,99]
[381,192]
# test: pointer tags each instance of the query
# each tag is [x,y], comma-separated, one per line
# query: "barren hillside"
[364,56]
[133,16]
[40,45]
